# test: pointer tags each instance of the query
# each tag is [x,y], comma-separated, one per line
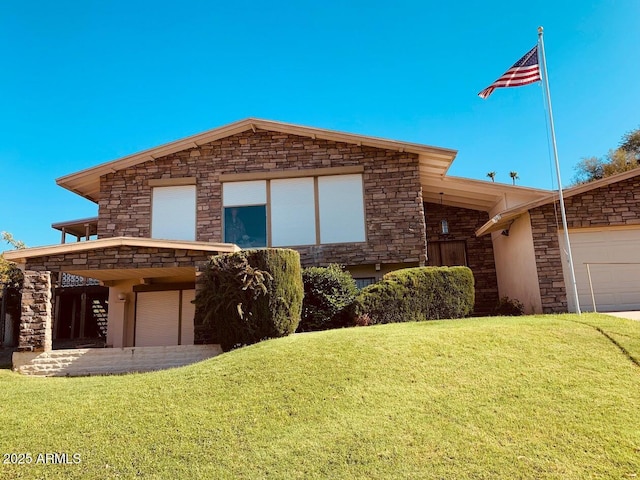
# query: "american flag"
[524,71]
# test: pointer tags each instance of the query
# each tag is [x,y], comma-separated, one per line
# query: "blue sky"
[85,82]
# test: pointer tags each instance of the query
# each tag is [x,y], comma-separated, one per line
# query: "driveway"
[633,315]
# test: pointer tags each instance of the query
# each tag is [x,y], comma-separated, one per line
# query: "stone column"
[35,322]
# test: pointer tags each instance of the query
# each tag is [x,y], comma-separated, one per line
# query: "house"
[371,204]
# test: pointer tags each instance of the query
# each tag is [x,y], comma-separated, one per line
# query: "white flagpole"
[572,274]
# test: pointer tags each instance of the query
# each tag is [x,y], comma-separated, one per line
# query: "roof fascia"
[74,181]
[511,213]
[21,256]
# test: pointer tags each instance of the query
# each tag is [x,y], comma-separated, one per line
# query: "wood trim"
[268,213]
[364,211]
[135,317]
[600,228]
[316,199]
[162,287]
[172,182]
[180,317]
[310,172]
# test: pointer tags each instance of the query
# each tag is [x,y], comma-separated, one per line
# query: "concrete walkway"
[634,315]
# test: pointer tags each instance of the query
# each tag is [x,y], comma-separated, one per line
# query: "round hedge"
[328,291]
[249,296]
[416,294]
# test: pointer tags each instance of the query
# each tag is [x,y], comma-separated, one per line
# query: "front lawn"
[527,397]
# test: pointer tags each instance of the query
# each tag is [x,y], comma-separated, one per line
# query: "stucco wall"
[612,205]
[393,195]
[120,326]
[463,223]
[516,265]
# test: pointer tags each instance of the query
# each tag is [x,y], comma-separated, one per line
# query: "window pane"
[173,213]
[246,226]
[363,282]
[293,212]
[244,193]
[341,209]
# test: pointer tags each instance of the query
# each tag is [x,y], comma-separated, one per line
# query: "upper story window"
[245,213]
[294,211]
[173,212]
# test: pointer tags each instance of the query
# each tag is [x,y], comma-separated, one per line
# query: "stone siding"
[463,224]
[35,321]
[119,257]
[101,361]
[617,204]
[393,195]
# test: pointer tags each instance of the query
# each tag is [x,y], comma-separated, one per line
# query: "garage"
[164,318]
[613,256]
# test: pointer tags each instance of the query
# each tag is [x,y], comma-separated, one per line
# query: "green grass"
[528,397]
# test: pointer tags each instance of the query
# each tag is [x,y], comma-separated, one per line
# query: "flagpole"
[572,274]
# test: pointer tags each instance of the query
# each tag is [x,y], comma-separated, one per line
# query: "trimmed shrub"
[416,294]
[509,307]
[250,296]
[328,291]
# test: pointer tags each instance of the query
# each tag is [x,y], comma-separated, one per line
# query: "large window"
[294,211]
[173,212]
[245,213]
[341,203]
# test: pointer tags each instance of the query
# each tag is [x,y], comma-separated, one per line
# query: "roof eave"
[22,255]
[86,182]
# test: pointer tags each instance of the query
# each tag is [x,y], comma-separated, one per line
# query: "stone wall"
[463,223]
[35,321]
[101,361]
[392,190]
[611,205]
[119,257]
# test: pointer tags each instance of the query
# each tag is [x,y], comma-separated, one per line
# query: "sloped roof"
[502,220]
[22,255]
[434,161]
[475,194]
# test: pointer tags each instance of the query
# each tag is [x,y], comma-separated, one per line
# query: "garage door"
[164,318]
[611,255]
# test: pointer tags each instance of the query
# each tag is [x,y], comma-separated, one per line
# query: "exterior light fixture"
[444,225]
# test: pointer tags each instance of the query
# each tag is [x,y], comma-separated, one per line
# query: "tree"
[10,274]
[514,176]
[11,277]
[631,142]
[625,157]
[492,176]
[589,169]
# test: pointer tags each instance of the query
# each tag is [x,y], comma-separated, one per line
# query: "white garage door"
[611,254]
[164,318]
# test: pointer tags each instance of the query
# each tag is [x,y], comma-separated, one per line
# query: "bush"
[250,296]
[328,291]
[416,294]
[509,307]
